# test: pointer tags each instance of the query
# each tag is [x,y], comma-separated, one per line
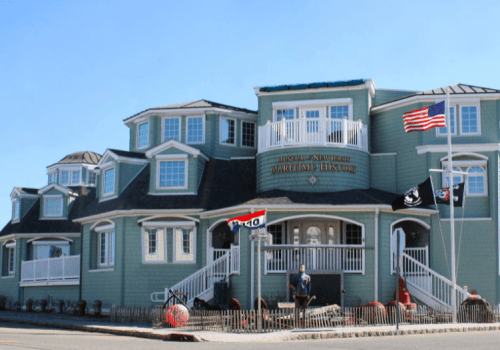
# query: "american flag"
[425,118]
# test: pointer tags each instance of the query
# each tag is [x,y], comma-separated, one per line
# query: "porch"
[64,270]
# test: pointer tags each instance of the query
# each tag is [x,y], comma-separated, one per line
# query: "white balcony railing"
[63,268]
[348,258]
[313,131]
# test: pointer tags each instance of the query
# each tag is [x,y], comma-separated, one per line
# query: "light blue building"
[325,160]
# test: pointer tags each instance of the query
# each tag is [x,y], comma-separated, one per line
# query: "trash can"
[97,304]
[221,294]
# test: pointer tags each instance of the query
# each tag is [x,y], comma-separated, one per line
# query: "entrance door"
[312,130]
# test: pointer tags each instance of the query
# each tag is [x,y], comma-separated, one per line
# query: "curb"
[104,329]
[392,332]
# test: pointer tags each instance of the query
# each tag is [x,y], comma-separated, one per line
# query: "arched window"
[476,181]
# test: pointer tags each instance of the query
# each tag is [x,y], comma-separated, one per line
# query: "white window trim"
[321,109]
[35,243]
[174,248]
[254,135]
[60,177]
[50,196]
[485,176]
[172,158]
[454,120]
[145,236]
[107,263]
[349,111]
[18,217]
[202,133]
[163,128]
[235,132]
[478,106]
[137,138]
[70,177]
[103,182]
[275,113]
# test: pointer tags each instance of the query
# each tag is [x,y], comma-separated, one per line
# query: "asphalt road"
[13,336]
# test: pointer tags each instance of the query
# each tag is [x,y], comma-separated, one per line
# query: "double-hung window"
[247,134]
[10,251]
[52,206]
[470,121]
[106,248]
[178,236]
[154,247]
[143,135]
[172,173]
[288,114]
[171,129]
[196,129]
[184,244]
[108,181]
[16,210]
[453,121]
[228,131]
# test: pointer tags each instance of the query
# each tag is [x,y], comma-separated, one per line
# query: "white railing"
[234,263]
[281,258]
[420,254]
[217,253]
[435,285]
[62,268]
[310,131]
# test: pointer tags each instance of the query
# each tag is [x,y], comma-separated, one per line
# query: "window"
[65,177]
[476,181]
[196,130]
[75,177]
[11,259]
[143,135]
[228,131]
[16,210]
[288,114]
[109,181]
[470,120]
[172,174]
[52,178]
[184,244]
[171,129]
[339,112]
[277,232]
[50,249]
[444,130]
[312,124]
[247,134]
[52,206]
[91,177]
[457,178]
[106,247]
[353,234]
[154,244]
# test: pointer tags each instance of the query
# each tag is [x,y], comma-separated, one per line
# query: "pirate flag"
[443,195]
[418,196]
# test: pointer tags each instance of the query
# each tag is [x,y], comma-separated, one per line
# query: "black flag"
[443,195]
[418,196]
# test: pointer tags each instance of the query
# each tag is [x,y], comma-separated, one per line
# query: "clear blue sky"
[71,71]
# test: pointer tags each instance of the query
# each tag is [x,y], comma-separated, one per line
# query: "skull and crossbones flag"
[419,196]
[443,195]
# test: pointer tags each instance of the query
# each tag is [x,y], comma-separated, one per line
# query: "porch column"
[377,212]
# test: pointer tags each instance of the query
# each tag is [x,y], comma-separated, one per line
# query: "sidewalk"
[88,324]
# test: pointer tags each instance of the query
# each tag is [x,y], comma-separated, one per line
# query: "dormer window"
[91,177]
[16,210]
[172,173]
[171,129]
[143,135]
[65,177]
[52,178]
[228,131]
[53,206]
[69,177]
[108,186]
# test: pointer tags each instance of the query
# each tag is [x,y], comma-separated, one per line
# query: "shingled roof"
[312,85]
[85,157]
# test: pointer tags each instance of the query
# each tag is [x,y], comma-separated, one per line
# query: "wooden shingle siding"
[383,172]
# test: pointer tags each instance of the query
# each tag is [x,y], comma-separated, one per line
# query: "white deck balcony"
[55,271]
[281,258]
[313,131]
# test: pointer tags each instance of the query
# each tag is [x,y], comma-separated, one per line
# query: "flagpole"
[452,212]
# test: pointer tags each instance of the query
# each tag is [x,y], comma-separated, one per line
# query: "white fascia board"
[433,98]
[466,163]
[15,192]
[324,208]
[63,189]
[472,147]
[465,154]
[305,91]
[191,112]
[131,160]
[136,212]
[168,223]
[67,282]
[241,158]
[67,240]
[178,145]
[42,234]
[307,103]
[154,217]
[68,167]
[171,156]
[383,154]
[105,157]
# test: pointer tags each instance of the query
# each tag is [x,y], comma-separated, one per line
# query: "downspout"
[252,276]
[377,211]
[81,263]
